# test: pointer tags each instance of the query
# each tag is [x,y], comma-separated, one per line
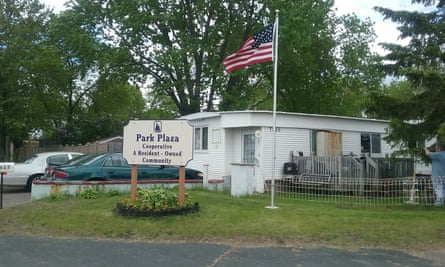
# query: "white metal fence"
[351,167]
[355,180]
[370,191]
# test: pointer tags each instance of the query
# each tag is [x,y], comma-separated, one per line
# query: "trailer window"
[201,138]
[249,148]
[371,143]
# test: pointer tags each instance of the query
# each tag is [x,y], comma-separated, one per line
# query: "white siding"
[293,135]
[386,148]
[215,155]
[287,140]
[231,149]
[351,143]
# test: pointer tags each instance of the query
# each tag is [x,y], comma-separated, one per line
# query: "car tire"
[30,180]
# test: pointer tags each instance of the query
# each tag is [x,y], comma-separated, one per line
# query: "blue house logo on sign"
[157,126]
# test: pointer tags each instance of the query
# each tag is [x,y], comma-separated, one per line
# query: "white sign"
[6,167]
[168,142]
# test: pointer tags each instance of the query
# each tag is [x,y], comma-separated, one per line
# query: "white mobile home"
[223,139]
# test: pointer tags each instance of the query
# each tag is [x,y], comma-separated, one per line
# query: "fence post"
[205,181]
[1,190]
[362,174]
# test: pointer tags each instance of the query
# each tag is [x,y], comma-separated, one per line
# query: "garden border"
[42,189]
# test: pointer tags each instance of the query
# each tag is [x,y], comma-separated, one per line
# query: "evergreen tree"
[419,112]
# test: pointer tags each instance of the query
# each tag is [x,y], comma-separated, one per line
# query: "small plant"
[155,202]
[90,193]
[58,197]
[112,193]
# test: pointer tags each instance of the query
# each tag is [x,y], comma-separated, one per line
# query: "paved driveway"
[52,252]
[13,196]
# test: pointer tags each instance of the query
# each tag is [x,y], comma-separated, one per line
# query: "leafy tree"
[325,64]
[91,92]
[358,67]
[22,23]
[177,47]
[73,76]
[417,112]
[57,80]
[107,118]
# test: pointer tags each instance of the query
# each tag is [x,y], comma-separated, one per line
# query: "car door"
[155,172]
[115,167]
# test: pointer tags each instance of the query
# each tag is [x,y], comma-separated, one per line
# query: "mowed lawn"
[244,221]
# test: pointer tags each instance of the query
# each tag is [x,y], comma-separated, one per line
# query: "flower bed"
[155,203]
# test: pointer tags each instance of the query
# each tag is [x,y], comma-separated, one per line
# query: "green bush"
[58,197]
[90,193]
[112,193]
[157,201]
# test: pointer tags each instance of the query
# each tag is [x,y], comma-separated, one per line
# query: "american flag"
[257,49]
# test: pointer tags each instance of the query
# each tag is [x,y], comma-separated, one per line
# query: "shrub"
[58,197]
[90,193]
[112,193]
[156,202]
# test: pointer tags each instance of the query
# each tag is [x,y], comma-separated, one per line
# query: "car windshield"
[83,160]
[31,159]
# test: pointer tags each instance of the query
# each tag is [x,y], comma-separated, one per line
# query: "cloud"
[386,30]
[56,5]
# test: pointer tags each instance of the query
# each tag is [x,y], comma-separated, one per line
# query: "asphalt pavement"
[20,251]
[17,251]
[13,196]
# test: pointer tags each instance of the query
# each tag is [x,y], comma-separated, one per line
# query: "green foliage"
[58,197]
[57,79]
[90,193]
[77,76]
[325,66]
[112,193]
[94,95]
[414,106]
[156,200]
[242,219]
[441,134]
[22,51]
[320,70]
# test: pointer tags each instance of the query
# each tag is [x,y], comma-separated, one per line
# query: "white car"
[34,167]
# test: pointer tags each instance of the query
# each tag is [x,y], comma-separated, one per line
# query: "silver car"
[34,167]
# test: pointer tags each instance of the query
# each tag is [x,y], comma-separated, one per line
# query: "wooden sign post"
[134,182]
[181,190]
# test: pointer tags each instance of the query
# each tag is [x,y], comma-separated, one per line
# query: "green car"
[113,166]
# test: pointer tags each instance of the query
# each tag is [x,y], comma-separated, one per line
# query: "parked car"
[72,162]
[34,168]
[113,166]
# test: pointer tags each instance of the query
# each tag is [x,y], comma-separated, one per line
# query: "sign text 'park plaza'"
[158,142]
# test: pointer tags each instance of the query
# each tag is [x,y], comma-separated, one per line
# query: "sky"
[386,31]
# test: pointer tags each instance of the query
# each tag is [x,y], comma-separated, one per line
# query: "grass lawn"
[243,221]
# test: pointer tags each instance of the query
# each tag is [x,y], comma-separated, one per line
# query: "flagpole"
[274,112]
